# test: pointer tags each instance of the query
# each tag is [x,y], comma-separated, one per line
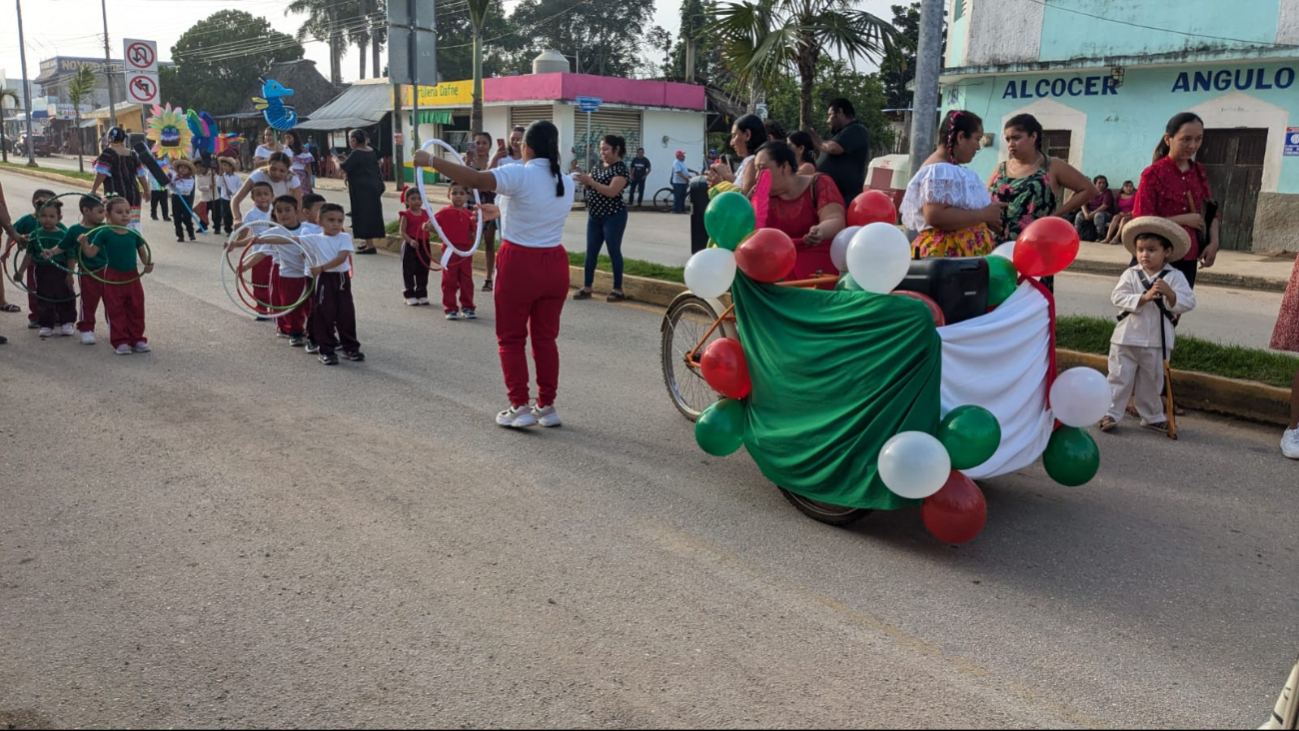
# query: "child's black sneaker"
[353,355]
[297,341]
[312,347]
[329,359]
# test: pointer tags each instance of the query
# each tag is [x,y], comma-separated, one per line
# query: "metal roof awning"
[362,105]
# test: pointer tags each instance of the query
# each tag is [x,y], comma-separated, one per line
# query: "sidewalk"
[1237,269]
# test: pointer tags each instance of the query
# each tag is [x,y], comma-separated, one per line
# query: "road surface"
[226,533]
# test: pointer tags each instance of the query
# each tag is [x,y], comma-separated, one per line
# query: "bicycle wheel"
[685,323]
[838,515]
[663,200]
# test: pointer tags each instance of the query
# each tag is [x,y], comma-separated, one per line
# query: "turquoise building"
[1104,77]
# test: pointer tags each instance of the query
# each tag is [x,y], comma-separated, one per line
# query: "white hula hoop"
[225,264]
[419,185]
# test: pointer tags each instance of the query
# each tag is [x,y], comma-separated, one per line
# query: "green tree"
[214,76]
[455,44]
[603,39]
[659,43]
[479,12]
[749,69]
[378,35]
[6,95]
[323,23]
[80,87]
[898,69]
[797,33]
[834,79]
[358,31]
[696,16]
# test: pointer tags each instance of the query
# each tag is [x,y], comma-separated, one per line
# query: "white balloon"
[914,465]
[1005,251]
[710,272]
[879,257]
[1080,396]
[839,247]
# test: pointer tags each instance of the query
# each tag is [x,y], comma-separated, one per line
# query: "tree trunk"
[807,83]
[376,53]
[476,115]
[361,48]
[81,161]
[335,59]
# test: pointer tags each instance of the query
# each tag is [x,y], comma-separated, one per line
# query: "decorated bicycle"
[896,384]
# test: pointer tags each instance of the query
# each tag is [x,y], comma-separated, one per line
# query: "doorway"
[1233,162]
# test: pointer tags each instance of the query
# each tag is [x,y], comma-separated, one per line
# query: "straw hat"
[1161,227]
[183,162]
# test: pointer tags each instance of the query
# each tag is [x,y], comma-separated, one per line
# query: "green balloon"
[720,429]
[971,434]
[729,218]
[847,283]
[1072,457]
[1003,279]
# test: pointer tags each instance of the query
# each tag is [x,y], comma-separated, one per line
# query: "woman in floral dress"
[1030,182]
[1286,337]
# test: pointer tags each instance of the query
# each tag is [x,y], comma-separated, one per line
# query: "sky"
[75,27]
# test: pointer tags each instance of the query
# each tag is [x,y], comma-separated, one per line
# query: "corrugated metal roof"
[362,105]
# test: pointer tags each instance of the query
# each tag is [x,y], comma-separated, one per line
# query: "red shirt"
[1162,192]
[796,217]
[412,224]
[458,225]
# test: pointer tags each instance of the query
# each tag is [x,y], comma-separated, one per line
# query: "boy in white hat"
[1151,294]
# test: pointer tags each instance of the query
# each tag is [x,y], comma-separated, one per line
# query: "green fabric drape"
[835,376]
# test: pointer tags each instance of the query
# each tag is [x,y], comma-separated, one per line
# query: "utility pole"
[108,68]
[929,62]
[27,97]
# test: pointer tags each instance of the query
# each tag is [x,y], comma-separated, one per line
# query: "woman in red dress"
[808,208]
[1175,187]
[1286,337]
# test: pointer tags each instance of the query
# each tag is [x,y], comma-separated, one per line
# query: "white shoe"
[411,301]
[123,349]
[45,332]
[547,417]
[68,330]
[1290,443]
[87,338]
[142,348]
[517,417]
[423,300]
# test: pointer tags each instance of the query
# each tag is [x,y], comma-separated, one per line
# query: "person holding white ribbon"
[531,267]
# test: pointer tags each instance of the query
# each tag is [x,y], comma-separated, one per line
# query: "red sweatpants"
[124,308]
[92,292]
[457,276]
[285,291]
[531,287]
[262,283]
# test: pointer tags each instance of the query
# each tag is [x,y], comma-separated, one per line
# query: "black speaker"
[959,286]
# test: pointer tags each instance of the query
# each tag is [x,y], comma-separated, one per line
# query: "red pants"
[92,292]
[262,283]
[124,308]
[531,287]
[284,292]
[457,275]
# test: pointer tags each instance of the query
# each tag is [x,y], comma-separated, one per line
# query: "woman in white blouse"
[947,203]
[281,178]
[531,268]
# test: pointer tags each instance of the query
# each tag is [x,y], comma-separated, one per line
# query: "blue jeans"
[678,197]
[602,231]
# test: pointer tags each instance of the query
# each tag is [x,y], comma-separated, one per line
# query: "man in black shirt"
[844,157]
[640,170]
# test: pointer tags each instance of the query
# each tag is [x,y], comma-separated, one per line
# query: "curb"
[49,176]
[1209,277]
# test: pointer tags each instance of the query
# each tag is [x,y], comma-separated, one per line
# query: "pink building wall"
[567,87]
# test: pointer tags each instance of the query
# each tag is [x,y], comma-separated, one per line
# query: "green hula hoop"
[81,255]
[23,286]
[65,195]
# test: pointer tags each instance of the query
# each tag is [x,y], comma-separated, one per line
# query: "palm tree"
[358,33]
[322,22]
[378,35]
[80,87]
[478,10]
[768,36]
[6,93]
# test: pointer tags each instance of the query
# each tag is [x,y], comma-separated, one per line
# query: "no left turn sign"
[142,88]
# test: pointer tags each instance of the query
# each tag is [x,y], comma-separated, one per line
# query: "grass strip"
[88,177]
[1092,335]
[633,267]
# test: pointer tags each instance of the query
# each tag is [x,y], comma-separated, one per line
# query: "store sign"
[1056,88]
[1239,79]
[446,94]
[1292,141]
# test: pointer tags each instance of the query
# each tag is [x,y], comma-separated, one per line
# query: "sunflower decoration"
[169,132]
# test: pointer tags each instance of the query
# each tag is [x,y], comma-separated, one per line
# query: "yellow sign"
[446,94]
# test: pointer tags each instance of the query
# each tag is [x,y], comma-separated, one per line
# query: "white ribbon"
[419,185]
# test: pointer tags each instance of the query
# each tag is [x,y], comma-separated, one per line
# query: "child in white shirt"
[1151,294]
[332,306]
[182,198]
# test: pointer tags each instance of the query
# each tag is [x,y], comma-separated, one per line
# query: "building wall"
[1115,128]
[684,131]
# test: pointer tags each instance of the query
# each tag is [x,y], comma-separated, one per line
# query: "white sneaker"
[547,417]
[517,417]
[142,348]
[1290,443]
[68,330]
[411,301]
[45,332]
[87,338]
[423,300]
[123,349]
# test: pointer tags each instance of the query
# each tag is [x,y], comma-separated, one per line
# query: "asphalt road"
[225,533]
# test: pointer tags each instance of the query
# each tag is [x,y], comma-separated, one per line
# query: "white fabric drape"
[999,361]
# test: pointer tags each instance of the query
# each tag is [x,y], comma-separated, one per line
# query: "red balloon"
[871,207]
[766,256]
[956,513]
[1045,247]
[725,369]
[939,318]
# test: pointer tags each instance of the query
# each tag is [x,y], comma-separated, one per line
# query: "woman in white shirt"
[278,174]
[264,150]
[531,266]
[948,204]
[747,135]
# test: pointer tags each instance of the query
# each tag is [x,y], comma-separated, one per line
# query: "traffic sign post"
[140,62]
[589,104]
